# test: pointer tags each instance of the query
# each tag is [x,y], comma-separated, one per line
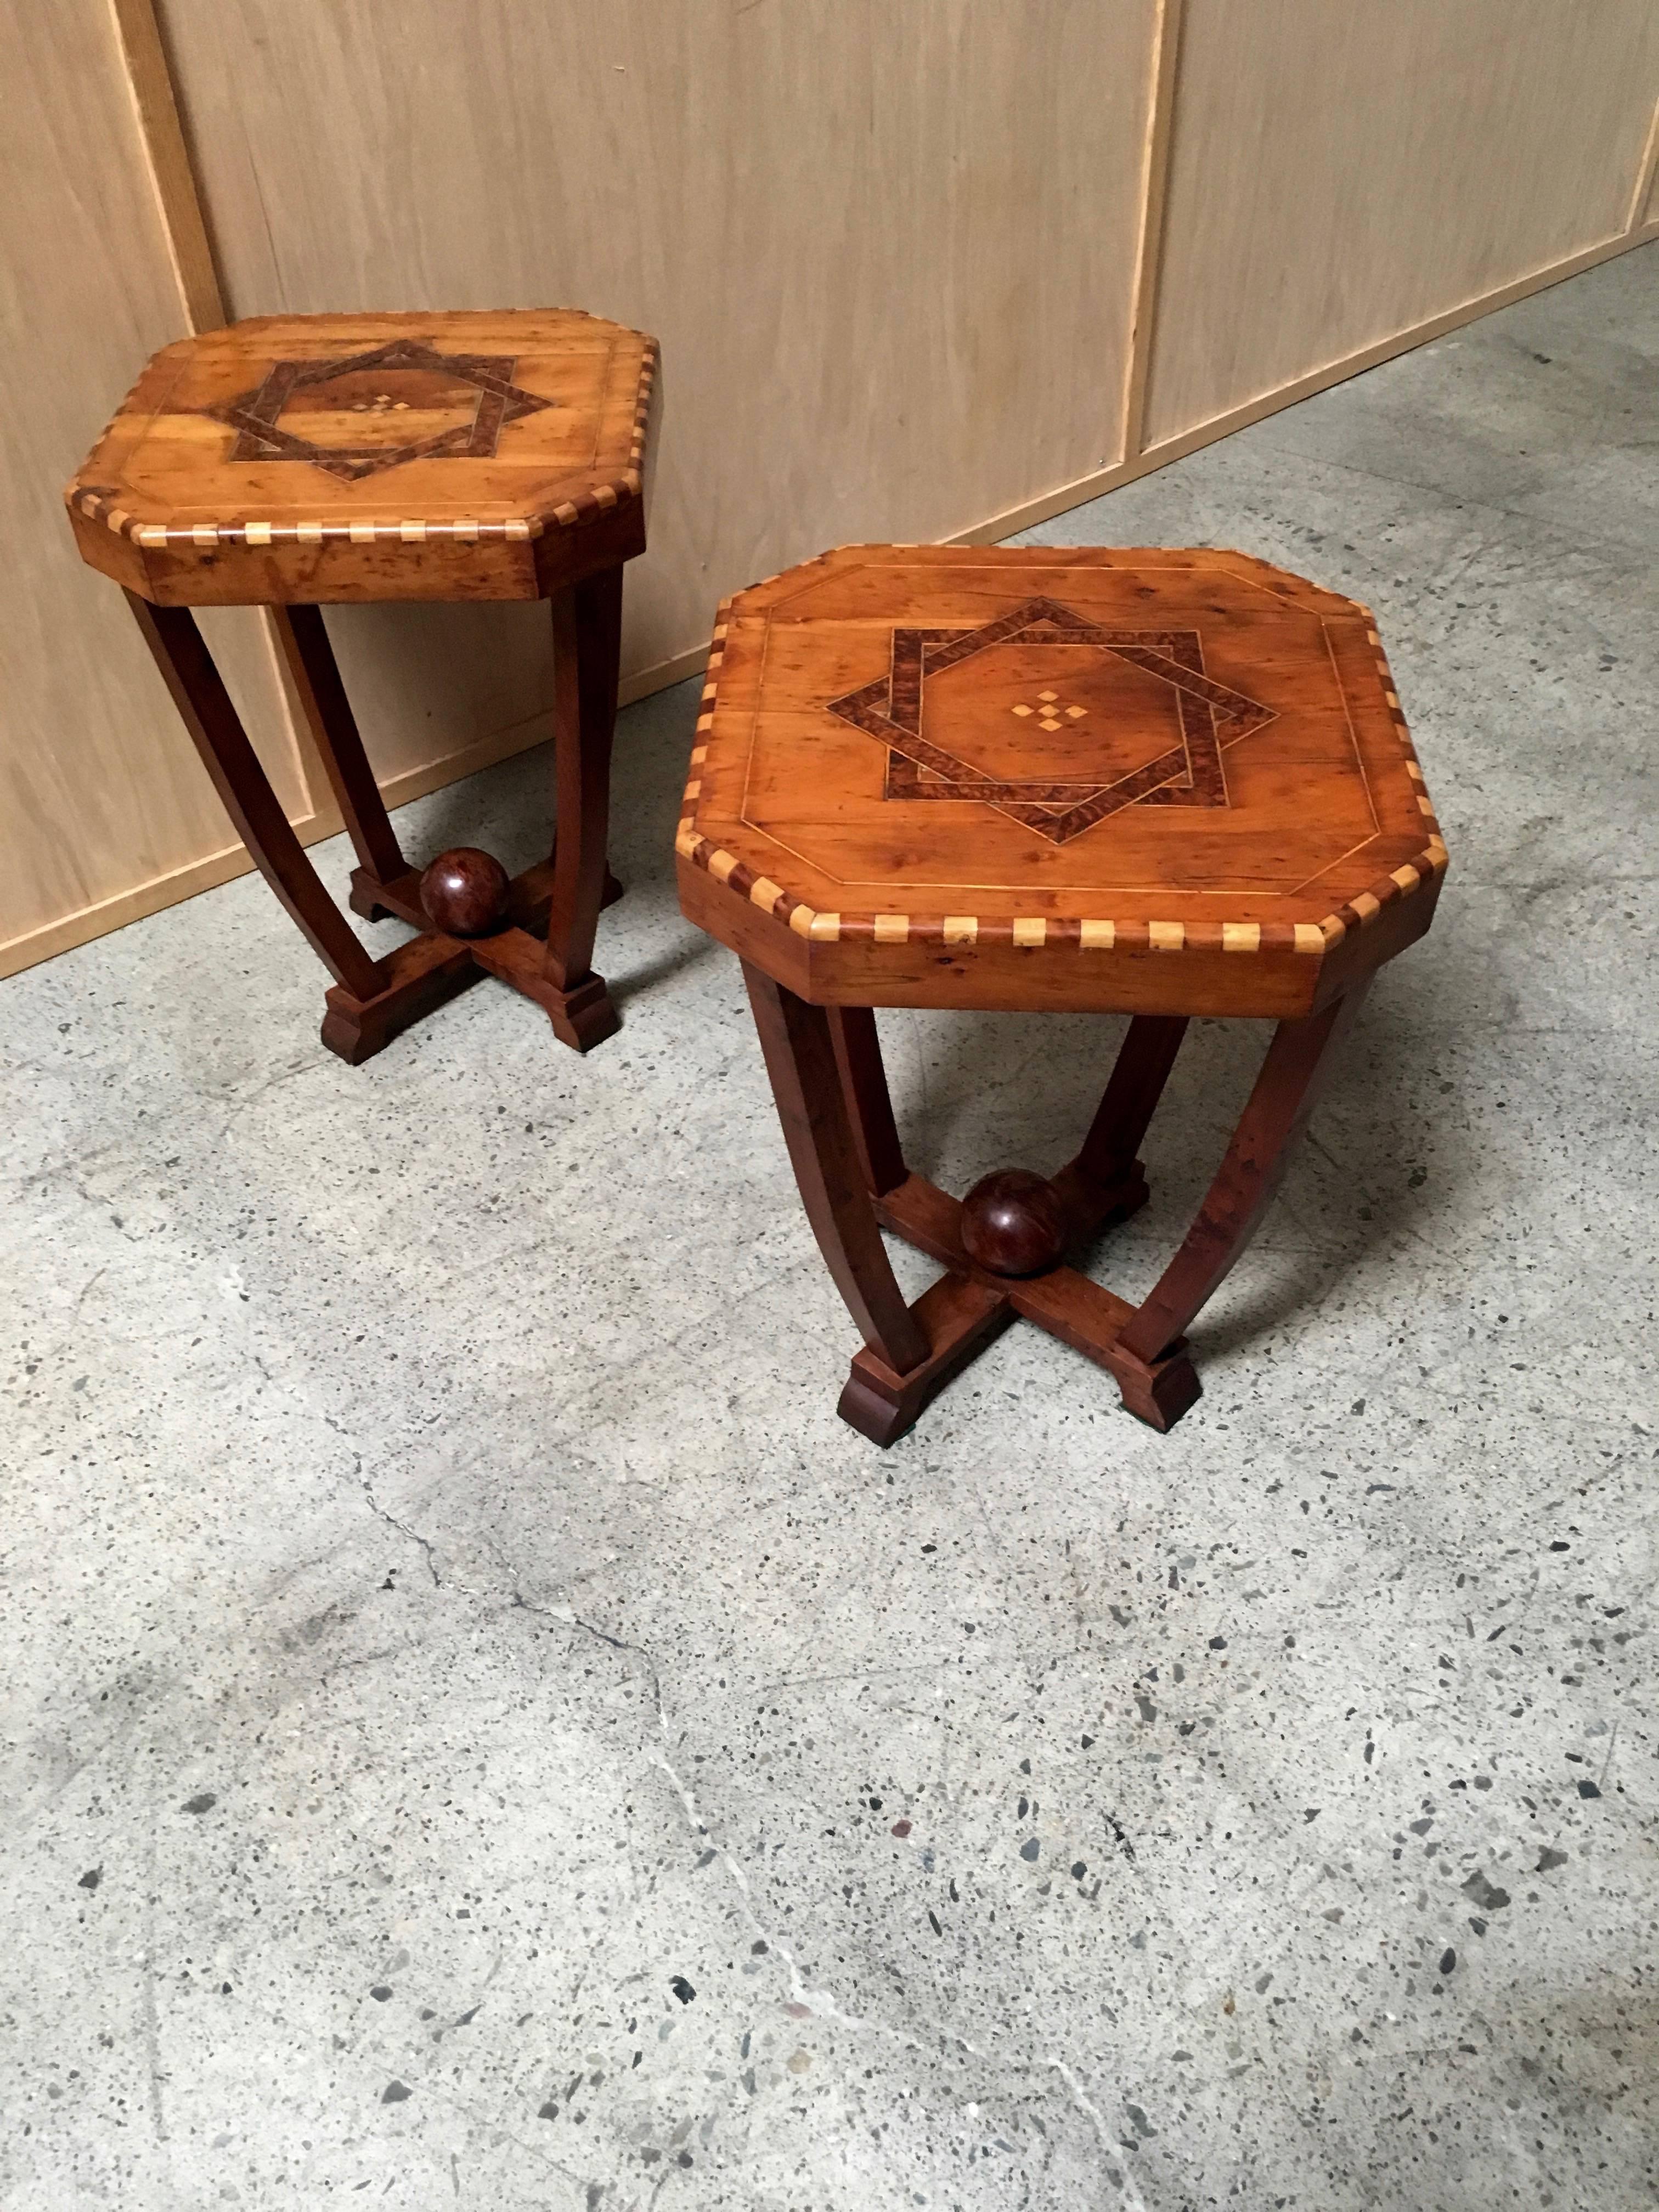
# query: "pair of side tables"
[1158,783]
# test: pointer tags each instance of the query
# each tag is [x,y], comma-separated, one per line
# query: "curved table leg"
[875,1135]
[315,675]
[800,1060]
[911,1352]
[1297,1065]
[587,648]
[1142,1068]
[205,705]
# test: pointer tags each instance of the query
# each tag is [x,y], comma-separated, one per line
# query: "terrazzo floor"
[479,1732]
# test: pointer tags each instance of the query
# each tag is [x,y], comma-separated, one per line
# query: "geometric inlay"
[1157,733]
[364,412]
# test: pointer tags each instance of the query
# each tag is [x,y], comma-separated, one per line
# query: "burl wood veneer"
[302,460]
[1146,782]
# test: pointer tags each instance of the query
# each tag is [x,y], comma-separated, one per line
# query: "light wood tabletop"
[1156,782]
[960,776]
[328,458]
[297,461]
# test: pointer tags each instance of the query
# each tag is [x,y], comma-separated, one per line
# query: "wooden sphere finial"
[465,892]
[1013,1223]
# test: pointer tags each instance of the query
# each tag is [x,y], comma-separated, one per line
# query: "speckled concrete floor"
[479,1732]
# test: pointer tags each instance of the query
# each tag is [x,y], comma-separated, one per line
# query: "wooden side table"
[296,461]
[1155,783]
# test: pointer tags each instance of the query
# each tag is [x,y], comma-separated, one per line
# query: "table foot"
[1159,1394]
[1069,1305]
[516,954]
[547,932]
[958,1319]
[418,977]
[831,1093]
[583,1017]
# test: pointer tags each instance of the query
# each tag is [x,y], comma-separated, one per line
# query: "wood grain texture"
[800,1060]
[1005,1244]
[1154,781]
[1644,200]
[1154,194]
[1025,516]
[101,793]
[1299,1063]
[173,179]
[932,201]
[206,709]
[1338,174]
[942,209]
[311,459]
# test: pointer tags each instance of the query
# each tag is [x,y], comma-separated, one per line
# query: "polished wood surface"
[466,891]
[1142,1068]
[321,698]
[215,729]
[373,457]
[535,931]
[835,1129]
[800,1059]
[1161,782]
[586,639]
[420,976]
[875,1133]
[1013,1223]
[1169,782]
[971,1304]
[973,250]
[298,459]
[1296,1069]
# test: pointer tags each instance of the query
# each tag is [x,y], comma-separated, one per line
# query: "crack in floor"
[821,2003]
[402,1527]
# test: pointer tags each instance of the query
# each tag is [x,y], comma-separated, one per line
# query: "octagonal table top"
[467,455]
[1172,780]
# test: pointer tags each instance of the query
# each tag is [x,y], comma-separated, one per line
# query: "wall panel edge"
[1044,508]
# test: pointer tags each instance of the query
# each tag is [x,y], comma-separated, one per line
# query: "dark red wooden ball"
[1013,1223]
[465,892]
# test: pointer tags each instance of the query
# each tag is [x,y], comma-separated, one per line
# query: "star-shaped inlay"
[1149,769]
[420,405]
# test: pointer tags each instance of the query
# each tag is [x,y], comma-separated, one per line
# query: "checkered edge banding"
[1037,931]
[103,505]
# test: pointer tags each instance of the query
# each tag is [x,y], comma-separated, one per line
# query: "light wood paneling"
[427,682]
[889,248]
[1342,172]
[1644,207]
[917,264]
[100,789]
[183,222]
[1154,193]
